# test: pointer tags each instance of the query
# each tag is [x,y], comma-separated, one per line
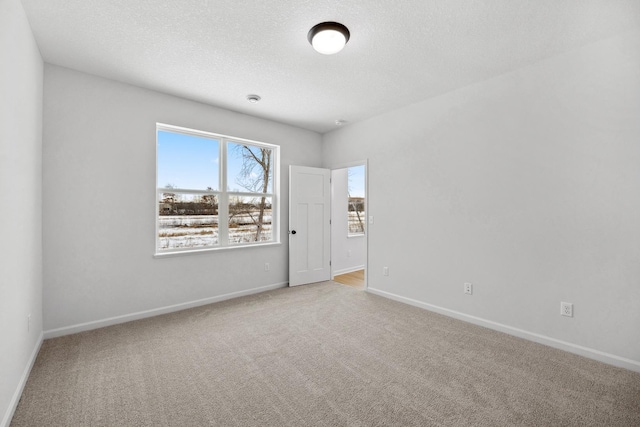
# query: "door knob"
[293,231]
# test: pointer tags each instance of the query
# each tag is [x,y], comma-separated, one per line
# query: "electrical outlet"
[267,267]
[566,309]
[468,288]
[385,271]
[370,219]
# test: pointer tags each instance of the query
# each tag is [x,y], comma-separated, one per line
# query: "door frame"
[345,165]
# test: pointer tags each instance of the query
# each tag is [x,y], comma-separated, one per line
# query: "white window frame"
[222,193]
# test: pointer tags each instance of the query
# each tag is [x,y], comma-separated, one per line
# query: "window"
[214,191]
[355,207]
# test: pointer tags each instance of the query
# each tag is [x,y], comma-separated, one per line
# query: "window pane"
[250,219]
[356,215]
[249,168]
[187,161]
[190,185]
[356,203]
[187,220]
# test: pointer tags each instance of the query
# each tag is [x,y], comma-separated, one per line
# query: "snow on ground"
[198,231]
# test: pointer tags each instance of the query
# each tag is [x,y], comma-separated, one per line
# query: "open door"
[309,225]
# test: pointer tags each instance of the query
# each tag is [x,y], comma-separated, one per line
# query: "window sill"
[210,250]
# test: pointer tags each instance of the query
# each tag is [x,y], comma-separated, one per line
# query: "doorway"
[349,225]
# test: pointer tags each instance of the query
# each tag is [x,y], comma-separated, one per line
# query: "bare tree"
[255,177]
[210,202]
[355,204]
[169,197]
[167,203]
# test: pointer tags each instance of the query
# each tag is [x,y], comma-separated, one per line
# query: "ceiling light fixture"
[328,37]
[253,98]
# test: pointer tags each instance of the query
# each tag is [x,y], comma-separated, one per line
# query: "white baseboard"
[6,420]
[347,270]
[73,329]
[590,353]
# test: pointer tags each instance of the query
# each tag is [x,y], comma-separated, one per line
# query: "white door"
[309,225]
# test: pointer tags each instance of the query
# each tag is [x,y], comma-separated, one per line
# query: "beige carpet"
[317,355]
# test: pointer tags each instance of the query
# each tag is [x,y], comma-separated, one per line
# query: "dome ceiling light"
[328,37]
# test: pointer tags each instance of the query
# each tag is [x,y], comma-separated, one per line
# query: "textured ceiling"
[400,52]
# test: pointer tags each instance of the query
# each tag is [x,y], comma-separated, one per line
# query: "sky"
[188,161]
[193,162]
[356,181]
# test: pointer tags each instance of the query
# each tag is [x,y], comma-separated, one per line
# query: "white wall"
[21,213]
[99,202]
[526,185]
[347,253]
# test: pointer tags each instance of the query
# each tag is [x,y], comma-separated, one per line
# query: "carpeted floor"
[317,355]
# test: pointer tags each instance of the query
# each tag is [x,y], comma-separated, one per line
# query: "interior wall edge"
[102,323]
[6,420]
[590,353]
